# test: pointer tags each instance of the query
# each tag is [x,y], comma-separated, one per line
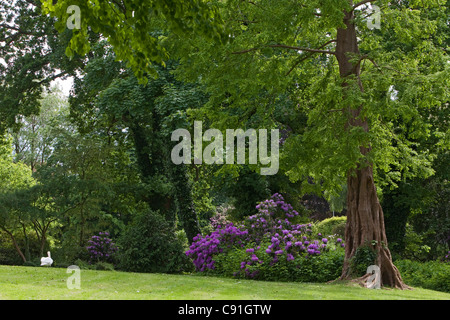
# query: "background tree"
[15,179]
[109,98]
[32,55]
[34,138]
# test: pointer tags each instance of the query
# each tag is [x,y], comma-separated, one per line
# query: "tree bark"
[16,245]
[365,227]
[365,220]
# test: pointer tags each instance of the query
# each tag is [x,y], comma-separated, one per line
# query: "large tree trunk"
[365,227]
[365,221]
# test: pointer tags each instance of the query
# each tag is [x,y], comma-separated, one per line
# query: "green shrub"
[229,264]
[331,226]
[434,275]
[150,244]
[84,265]
[322,268]
[415,245]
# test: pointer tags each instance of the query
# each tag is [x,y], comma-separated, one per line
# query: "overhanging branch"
[301,49]
[290,48]
[307,56]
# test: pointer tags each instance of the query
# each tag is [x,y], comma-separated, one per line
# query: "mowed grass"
[23,283]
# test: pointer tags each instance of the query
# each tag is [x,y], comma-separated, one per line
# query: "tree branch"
[245,51]
[286,47]
[308,56]
[302,58]
[360,4]
[301,49]
[355,66]
[3,25]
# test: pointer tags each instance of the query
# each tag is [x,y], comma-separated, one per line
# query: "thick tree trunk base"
[394,279]
[365,228]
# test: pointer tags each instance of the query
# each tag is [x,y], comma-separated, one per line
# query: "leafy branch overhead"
[129,26]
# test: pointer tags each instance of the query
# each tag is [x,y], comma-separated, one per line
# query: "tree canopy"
[129,26]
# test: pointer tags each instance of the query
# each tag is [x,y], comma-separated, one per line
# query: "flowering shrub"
[101,248]
[264,241]
[220,219]
[204,248]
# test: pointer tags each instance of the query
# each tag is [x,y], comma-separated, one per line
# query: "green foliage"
[415,246]
[140,120]
[36,136]
[13,176]
[133,27]
[149,244]
[364,257]
[29,244]
[321,268]
[331,226]
[269,61]
[432,275]
[203,200]
[104,266]
[33,55]
[247,189]
[8,254]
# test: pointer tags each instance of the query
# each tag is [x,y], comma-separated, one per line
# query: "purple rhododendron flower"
[101,248]
[271,232]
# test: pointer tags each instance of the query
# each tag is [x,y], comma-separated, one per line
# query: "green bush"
[434,275]
[322,268]
[229,264]
[331,226]
[415,245]
[150,244]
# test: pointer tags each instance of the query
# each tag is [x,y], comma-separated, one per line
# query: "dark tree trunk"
[150,158]
[186,209]
[365,221]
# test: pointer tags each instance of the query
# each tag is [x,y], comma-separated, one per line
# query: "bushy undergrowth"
[149,244]
[332,226]
[269,245]
[434,275]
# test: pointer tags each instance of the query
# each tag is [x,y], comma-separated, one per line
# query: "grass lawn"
[22,283]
